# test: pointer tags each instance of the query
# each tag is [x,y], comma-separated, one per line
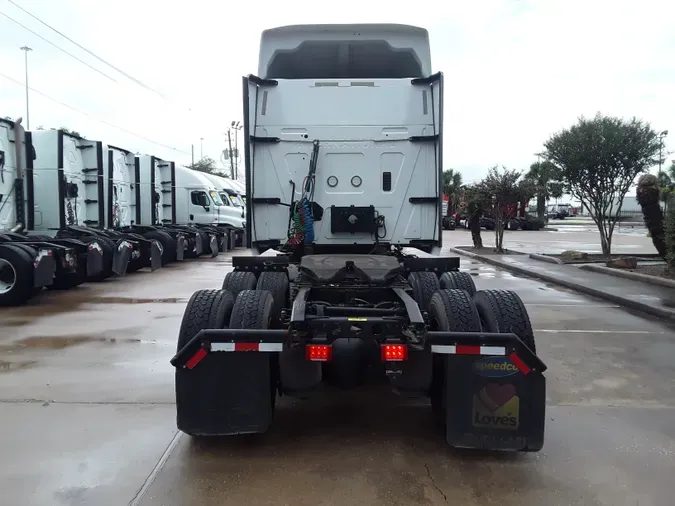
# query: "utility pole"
[25,49]
[229,143]
[201,143]
[193,155]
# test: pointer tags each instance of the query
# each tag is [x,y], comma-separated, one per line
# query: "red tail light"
[319,352]
[394,352]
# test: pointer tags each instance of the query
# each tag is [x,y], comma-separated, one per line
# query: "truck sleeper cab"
[29,261]
[73,166]
[123,203]
[233,210]
[158,186]
[343,131]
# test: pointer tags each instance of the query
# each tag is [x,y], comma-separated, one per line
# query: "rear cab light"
[319,352]
[394,352]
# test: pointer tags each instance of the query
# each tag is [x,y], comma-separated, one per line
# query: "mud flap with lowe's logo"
[495,402]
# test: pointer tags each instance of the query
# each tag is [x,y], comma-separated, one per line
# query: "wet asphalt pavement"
[86,403]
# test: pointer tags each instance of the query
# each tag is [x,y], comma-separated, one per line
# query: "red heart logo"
[499,394]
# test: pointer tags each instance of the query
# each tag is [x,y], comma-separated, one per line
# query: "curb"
[544,258]
[635,276]
[638,306]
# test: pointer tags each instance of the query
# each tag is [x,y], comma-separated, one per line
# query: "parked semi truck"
[234,208]
[38,248]
[160,182]
[74,166]
[343,176]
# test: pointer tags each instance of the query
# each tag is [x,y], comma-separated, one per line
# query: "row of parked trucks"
[74,210]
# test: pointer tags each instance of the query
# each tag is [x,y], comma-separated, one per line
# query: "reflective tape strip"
[222,346]
[492,350]
[271,347]
[247,347]
[468,350]
[442,348]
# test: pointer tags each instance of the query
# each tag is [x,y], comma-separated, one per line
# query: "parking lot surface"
[86,400]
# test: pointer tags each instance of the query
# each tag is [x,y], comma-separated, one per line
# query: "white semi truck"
[234,208]
[49,209]
[343,130]
[75,168]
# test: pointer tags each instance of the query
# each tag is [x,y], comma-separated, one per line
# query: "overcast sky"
[516,70]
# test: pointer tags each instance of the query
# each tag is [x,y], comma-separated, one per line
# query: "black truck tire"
[167,242]
[206,309]
[504,311]
[16,275]
[424,285]
[454,311]
[252,310]
[277,284]
[236,281]
[458,280]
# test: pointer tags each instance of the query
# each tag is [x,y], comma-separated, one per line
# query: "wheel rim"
[7,276]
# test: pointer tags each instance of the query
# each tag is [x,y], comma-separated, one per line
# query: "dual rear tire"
[453,304]
[224,383]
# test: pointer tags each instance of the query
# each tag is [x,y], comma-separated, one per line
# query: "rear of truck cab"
[343,132]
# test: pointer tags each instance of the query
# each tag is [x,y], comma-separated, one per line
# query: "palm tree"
[544,175]
[452,185]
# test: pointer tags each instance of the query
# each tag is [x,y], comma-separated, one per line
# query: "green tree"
[206,164]
[475,200]
[71,132]
[666,181]
[599,160]
[649,196]
[452,187]
[544,176]
[503,188]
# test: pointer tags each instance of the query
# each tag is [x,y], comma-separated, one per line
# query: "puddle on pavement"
[61,342]
[15,322]
[51,304]
[135,300]
[15,366]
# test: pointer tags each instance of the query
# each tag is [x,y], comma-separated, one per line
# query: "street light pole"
[235,159]
[229,143]
[25,49]
[661,136]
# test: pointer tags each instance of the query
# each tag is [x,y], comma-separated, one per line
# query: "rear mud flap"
[226,394]
[180,248]
[156,251]
[232,239]
[213,243]
[491,404]
[94,260]
[199,247]
[44,269]
[121,258]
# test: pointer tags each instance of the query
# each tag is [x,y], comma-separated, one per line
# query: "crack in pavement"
[99,403]
[433,482]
